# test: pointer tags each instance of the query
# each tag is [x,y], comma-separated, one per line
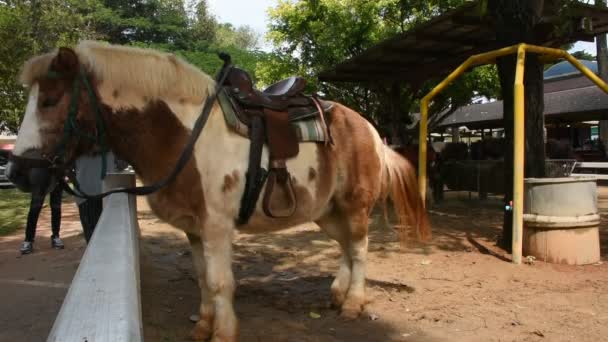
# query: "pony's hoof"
[217,338]
[337,299]
[351,310]
[201,331]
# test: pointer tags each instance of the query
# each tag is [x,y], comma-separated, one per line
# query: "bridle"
[59,166]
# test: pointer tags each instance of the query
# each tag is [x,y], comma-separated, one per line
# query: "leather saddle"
[269,115]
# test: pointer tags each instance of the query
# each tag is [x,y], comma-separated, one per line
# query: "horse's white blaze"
[29,132]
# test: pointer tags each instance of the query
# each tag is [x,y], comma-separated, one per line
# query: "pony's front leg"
[217,247]
[203,328]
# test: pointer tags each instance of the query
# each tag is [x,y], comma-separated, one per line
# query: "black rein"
[184,157]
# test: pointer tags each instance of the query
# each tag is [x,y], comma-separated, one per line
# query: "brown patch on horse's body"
[230,181]
[358,163]
[312,174]
[135,138]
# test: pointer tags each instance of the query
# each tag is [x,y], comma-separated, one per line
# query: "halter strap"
[184,157]
[71,128]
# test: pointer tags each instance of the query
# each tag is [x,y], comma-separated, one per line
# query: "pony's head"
[60,122]
[75,93]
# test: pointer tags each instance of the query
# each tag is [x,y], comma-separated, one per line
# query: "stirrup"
[270,192]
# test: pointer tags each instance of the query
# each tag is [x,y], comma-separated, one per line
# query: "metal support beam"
[103,302]
[518,145]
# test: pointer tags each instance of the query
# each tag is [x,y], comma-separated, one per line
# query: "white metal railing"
[591,165]
[103,302]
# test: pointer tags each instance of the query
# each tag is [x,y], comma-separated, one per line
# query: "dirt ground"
[460,287]
[32,287]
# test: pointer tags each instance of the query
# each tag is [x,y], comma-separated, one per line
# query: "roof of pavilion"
[436,47]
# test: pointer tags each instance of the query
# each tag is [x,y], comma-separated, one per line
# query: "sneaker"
[27,247]
[56,242]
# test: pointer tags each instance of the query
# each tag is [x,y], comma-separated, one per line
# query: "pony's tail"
[399,183]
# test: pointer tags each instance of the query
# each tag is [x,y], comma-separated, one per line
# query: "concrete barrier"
[103,302]
[596,166]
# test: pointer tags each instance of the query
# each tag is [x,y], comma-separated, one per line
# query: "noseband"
[57,163]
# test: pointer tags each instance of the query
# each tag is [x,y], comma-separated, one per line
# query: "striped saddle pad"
[308,124]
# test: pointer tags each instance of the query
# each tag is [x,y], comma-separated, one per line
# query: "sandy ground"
[458,288]
[32,287]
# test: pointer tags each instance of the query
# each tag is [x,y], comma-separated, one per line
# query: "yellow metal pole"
[518,144]
[424,106]
[590,74]
[557,53]
[518,156]
[424,113]
[422,148]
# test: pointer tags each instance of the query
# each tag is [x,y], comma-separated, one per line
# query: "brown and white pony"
[149,102]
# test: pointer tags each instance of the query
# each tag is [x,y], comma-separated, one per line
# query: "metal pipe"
[519,125]
[518,156]
[590,74]
[424,112]
[422,149]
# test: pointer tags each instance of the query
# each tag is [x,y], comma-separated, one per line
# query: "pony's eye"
[49,102]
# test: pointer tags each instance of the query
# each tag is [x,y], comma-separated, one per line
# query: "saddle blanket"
[307,130]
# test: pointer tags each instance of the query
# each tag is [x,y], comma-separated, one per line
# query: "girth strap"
[256,175]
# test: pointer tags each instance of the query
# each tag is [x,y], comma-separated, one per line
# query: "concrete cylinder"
[561,220]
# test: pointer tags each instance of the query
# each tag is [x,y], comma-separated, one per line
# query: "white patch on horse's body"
[119,98]
[29,132]
[220,152]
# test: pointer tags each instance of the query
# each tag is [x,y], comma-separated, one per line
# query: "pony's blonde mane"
[149,73]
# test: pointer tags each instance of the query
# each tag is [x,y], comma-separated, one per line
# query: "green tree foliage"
[28,28]
[583,55]
[148,21]
[202,22]
[187,28]
[314,35]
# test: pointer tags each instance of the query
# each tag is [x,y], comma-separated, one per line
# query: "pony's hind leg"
[204,327]
[334,225]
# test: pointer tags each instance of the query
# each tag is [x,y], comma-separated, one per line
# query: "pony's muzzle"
[17,176]
[30,173]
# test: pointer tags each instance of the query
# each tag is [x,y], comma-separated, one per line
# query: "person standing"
[42,180]
[88,175]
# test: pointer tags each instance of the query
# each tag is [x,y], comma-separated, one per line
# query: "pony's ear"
[66,62]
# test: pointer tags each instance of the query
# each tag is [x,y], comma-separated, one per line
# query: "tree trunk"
[602,66]
[602,49]
[515,23]
[395,100]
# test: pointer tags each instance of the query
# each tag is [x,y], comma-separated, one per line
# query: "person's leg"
[32,217]
[32,220]
[56,210]
[56,242]
[89,210]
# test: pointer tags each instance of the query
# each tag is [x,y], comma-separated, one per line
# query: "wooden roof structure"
[436,47]
[569,100]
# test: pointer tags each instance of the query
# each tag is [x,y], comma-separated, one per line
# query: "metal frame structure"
[518,136]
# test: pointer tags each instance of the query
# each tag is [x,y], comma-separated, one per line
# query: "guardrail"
[103,302]
[591,165]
